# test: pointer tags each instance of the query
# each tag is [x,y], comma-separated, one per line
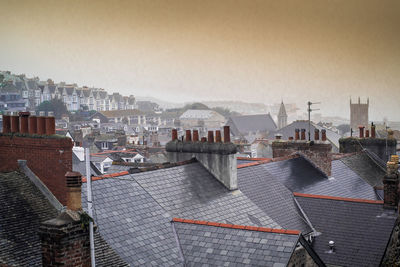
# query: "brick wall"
[319,153]
[48,158]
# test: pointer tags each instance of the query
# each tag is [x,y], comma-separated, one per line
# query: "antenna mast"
[309,117]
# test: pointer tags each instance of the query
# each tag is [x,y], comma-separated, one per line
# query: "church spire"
[282,116]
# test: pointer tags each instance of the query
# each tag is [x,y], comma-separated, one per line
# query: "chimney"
[361,128]
[65,240]
[210,136]
[41,124]
[188,136]
[195,135]
[218,158]
[323,135]
[32,123]
[227,134]
[373,133]
[316,134]
[391,184]
[6,123]
[296,134]
[23,119]
[74,183]
[14,123]
[174,134]
[367,133]
[50,124]
[278,136]
[218,136]
[291,138]
[319,153]
[303,134]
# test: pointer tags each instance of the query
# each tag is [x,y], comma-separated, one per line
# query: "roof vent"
[331,246]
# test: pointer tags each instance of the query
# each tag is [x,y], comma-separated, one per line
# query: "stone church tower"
[358,114]
[282,116]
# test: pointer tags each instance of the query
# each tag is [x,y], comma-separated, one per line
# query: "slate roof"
[80,166]
[225,246]
[272,197]
[298,175]
[133,212]
[251,123]
[366,167]
[360,230]
[23,207]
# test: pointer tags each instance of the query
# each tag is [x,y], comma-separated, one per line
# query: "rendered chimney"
[361,128]
[174,134]
[50,124]
[41,123]
[23,119]
[218,138]
[323,135]
[195,135]
[316,134]
[303,134]
[6,123]
[296,134]
[14,123]
[74,184]
[227,134]
[188,136]
[32,123]
[210,137]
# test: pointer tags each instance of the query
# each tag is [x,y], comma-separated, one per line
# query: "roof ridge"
[152,168]
[236,226]
[358,200]
[268,160]
[252,159]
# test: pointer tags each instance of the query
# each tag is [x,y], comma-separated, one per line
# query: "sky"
[254,51]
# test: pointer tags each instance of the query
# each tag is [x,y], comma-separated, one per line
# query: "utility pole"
[309,117]
[90,203]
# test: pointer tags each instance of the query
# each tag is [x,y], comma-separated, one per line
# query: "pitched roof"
[218,244]
[251,123]
[272,197]
[299,175]
[140,206]
[360,229]
[199,114]
[120,113]
[23,207]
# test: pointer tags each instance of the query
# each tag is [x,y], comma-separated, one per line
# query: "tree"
[195,106]
[55,105]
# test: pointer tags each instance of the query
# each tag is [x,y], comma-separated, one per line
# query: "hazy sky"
[255,51]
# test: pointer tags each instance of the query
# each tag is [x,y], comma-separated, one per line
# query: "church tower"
[282,116]
[358,114]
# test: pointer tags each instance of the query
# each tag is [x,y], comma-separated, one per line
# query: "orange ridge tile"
[359,200]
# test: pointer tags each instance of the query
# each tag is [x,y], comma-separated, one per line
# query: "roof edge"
[269,160]
[240,227]
[359,200]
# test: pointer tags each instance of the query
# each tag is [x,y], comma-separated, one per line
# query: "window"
[25,94]
[104,145]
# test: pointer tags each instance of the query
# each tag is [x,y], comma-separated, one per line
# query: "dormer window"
[104,145]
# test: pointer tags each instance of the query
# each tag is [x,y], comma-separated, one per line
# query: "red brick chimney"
[174,134]
[218,138]
[210,136]
[296,134]
[188,136]
[316,134]
[195,135]
[361,128]
[303,134]
[50,124]
[367,133]
[227,134]
[203,139]
[64,242]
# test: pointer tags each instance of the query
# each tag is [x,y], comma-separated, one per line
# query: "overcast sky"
[254,51]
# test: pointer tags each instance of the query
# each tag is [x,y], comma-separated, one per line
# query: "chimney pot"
[367,133]
[227,134]
[174,134]
[278,136]
[50,124]
[23,122]
[195,135]
[218,136]
[210,136]
[373,134]
[203,139]
[361,128]
[74,183]
[303,134]
[296,134]
[188,136]
[316,134]
[323,135]
[14,123]
[6,123]
[290,138]
[32,124]
[41,124]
